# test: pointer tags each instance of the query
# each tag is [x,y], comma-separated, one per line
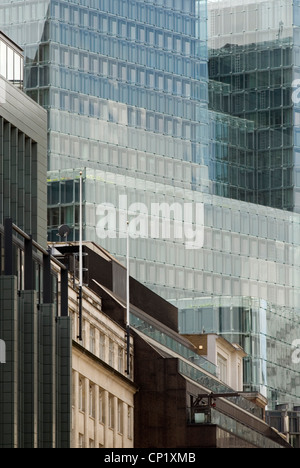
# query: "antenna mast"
[127,303]
[80,258]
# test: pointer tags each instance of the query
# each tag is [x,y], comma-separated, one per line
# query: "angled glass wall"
[241,249]
[232,157]
[241,280]
[136,72]
[125,85]
[254,48]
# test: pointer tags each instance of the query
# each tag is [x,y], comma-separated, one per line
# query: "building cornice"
[104,364]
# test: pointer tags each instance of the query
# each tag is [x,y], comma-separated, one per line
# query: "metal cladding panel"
[9,375]
[23,161]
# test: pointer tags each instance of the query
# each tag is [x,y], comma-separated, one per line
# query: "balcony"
[11,61]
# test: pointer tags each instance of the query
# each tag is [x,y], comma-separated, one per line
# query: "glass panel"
[3,58]
[10,64]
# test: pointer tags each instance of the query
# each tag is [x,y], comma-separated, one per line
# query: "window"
[238,63]
[80,441]
[120,417]
[81,395]
[73,325]
[121,360]
[74,377]
[83,334]
[92,401]
[102,346]
[129,423]
[240,376]
[111,353]
[101,406]
[3,58]
[10,64]
[222,365]
[92,339]
[263,100]
[111,411]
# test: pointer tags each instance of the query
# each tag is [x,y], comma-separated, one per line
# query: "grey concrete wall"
[23,161]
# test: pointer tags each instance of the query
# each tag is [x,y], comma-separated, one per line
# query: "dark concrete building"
[35,331]
[35,379]
[180,402]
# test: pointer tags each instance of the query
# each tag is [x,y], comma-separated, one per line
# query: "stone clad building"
[102,391]
[179,399]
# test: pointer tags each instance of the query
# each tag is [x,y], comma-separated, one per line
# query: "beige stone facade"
[103,393]
[226,356]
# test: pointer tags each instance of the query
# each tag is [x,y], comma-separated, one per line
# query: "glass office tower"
[126,86]
[254,50]
[124,82]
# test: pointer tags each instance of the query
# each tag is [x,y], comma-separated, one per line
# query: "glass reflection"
[11,61]
[252,49]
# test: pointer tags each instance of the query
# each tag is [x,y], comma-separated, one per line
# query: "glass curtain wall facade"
[254,50]
[232,156]
[117,75]
[242,282]
[261,328]
[126,87]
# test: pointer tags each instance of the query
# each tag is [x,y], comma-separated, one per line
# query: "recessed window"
[101,406]
[222,365]
[92,339]
[111,355]
[92,401]
[81,395]
[111,412]
[102,346]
